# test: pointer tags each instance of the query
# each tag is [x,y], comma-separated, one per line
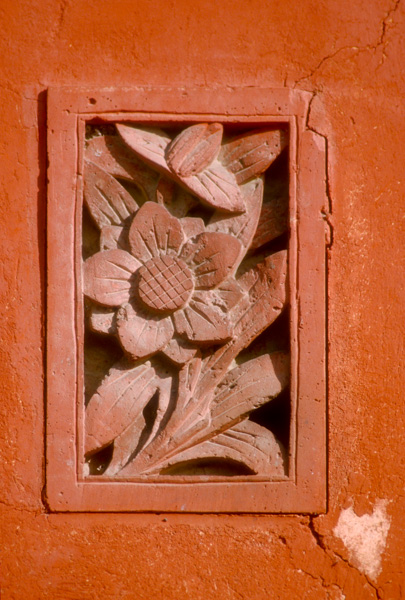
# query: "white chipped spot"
[335,593]
[365,537]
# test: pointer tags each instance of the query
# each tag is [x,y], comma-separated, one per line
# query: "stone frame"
[304,491]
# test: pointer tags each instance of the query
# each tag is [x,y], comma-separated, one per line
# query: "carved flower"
[172,289]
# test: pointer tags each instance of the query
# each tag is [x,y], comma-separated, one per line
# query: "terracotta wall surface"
[350,56]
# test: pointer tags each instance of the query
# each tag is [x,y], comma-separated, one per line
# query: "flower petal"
[154,232]
[212,256]
[203,324]
[142,334]
[108,277]
[179,352]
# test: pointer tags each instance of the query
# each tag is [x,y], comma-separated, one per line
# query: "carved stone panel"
[186,303]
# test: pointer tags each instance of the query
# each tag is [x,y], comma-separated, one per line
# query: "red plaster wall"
[350,55]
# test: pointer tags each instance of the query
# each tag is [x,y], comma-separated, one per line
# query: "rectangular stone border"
[304,490]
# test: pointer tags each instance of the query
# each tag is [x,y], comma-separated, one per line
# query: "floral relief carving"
[185,290]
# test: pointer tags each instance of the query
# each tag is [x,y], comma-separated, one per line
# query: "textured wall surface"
[350,56]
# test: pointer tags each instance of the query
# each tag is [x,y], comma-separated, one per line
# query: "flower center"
[165,283]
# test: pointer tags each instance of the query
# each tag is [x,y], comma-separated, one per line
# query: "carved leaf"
[241,391]
[126,444]
[273,219]
[165,393]
[244,389]
[246,443]
[218,188]
[107,200]
[265,287]
[119,400]
[194,148]
[247,387]
[250,155]
[187,380]
[242,226]
[149,143]
[266,284]
[215,186]
[111,154]
[142,431]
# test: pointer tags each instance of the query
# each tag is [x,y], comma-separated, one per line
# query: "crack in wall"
[334,573]
[321,542]
[385,28]
[381,42]
[328,211]
[59,21]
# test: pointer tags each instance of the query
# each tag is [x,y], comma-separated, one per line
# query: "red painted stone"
[348,56]
[189,291]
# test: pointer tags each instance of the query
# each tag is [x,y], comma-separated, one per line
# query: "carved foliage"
[182,283]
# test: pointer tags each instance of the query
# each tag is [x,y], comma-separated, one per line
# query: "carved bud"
[194,149]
